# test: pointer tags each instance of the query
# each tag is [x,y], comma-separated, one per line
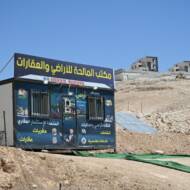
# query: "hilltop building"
[147,63]
[141,67]
[183,66]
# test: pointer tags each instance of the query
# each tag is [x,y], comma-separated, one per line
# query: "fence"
[3,133]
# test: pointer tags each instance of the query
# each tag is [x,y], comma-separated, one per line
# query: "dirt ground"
[168,143]
[21,170]
[164,104]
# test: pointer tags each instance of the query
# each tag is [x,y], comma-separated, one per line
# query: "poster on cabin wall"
[59,131]
[94,134]
[22,102]
[27,64]
[34,131]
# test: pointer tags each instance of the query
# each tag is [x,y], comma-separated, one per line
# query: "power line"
[6,64]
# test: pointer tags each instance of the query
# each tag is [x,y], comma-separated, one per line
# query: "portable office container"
[52,104]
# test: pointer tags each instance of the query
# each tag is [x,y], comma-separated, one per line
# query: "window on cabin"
[95,108]
[39,104]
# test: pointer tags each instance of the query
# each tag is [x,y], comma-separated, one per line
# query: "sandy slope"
[162,94]
[164,104]
[20,170]
[169,143]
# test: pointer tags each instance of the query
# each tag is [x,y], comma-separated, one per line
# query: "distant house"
[138,68]
[147,63]
[183,66]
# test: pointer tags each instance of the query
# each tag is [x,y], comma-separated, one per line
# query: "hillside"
[21,170]
[162,103]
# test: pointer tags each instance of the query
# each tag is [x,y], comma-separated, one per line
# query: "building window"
[95,108]
[186,69]
[39,104]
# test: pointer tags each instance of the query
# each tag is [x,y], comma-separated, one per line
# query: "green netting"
[146,158]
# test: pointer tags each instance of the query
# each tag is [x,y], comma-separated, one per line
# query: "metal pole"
[5,127]
[60,186]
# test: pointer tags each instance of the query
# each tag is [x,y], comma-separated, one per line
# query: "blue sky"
[111,33]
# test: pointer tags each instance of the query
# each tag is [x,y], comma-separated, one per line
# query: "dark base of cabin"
[63,150]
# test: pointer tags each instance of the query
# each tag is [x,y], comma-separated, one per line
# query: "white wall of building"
[6,104]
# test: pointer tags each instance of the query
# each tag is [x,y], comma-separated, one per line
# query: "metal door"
[69,121]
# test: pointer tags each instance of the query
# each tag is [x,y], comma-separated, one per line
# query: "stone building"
[123,74]
[183,66]
[147,63]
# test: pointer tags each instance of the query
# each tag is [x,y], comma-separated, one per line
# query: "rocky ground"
[164,104]
[166,142]
[21,170]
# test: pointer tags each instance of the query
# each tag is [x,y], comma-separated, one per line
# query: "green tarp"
[155,159]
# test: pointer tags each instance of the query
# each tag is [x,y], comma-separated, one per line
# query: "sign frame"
[27,64]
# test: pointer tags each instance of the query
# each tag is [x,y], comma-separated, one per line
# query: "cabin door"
[69,121]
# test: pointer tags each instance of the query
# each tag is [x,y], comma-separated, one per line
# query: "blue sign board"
[27,64]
